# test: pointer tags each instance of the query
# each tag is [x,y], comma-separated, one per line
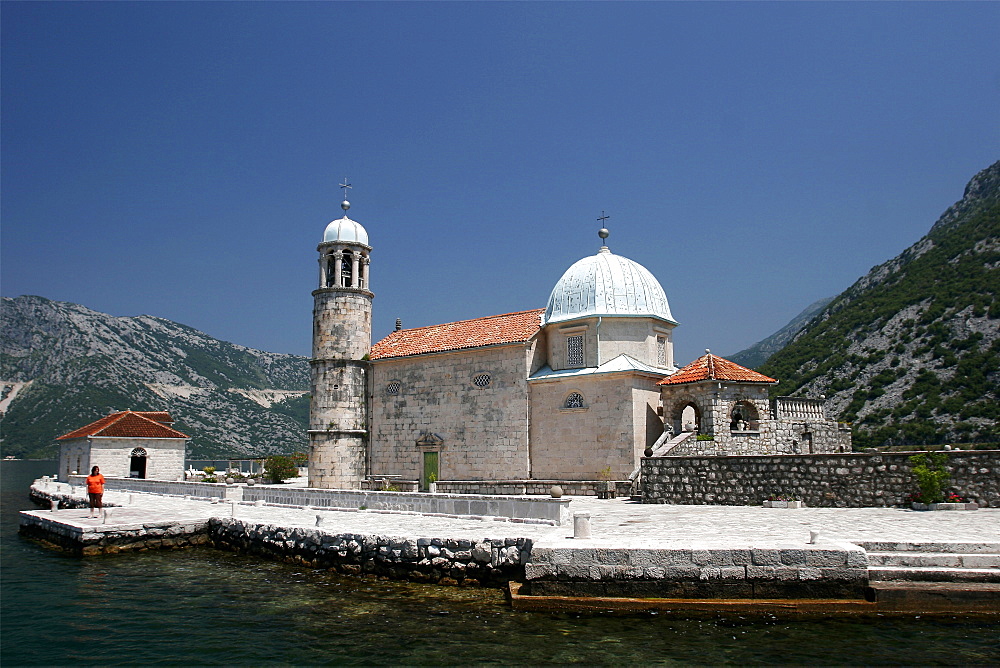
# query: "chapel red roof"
[128,424]
[489,331]
[713,367]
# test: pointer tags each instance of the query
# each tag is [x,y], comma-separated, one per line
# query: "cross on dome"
[603,232]
[345,205]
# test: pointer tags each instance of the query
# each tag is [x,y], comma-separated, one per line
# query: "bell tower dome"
[342,325]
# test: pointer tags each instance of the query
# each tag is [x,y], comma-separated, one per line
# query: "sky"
[182,159]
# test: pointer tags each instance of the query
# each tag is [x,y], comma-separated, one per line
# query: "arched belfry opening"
[137,463]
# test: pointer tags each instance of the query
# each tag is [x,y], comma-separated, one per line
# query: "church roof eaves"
[621,363]
[714,368]
[494,330]
[127,424]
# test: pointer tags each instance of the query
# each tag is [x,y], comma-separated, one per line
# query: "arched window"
[744,417]
[361,271]
[574,400]
[345,269]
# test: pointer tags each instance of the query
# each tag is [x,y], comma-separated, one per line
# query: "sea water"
[207,607]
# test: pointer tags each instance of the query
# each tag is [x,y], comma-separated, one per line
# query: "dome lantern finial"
[345,205]
[603,232]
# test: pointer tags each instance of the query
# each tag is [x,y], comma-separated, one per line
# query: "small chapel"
[580,390]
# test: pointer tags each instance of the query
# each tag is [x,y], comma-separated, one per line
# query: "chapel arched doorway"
[686,416]
[137,463]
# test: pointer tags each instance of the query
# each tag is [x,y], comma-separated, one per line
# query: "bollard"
[319,520]
[581,525]
[54,504]
[232,507]
[215,500]
[106,516]
[131,499]
[813,537]
[259,503]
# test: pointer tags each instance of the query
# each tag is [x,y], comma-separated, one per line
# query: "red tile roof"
[128,424]
[713,367]
[489,331]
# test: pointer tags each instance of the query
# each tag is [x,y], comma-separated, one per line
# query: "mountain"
[911,352]
[63,366]
[759,352]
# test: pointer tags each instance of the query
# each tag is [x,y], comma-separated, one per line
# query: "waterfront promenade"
[613,521]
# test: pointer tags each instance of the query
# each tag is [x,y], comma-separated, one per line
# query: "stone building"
[126,444]
[576,391]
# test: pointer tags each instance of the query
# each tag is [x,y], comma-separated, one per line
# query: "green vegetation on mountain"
[911,352]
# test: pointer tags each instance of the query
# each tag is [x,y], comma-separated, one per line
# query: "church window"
[574,400]
[482,380]
[574,350]
[661,350]
[392,387]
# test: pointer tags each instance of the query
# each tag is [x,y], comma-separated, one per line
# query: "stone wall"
[850,480]
[490,562]
[526,509]
[615,424]
[164,456]
[834,569]
[483,428]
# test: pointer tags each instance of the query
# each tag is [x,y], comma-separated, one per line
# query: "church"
[578,391]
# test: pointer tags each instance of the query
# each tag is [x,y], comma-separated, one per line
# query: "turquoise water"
[205,607]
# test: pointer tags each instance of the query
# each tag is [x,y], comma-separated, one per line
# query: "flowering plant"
[952,497]
[782,497]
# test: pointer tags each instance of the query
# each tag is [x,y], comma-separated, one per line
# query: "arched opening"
[574,400]
[345,269]
[744,417]
[686,417]
[137,464]
[331,271]
[362,261]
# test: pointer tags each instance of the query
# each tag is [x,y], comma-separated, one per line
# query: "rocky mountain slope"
[63,365]
[911,352]
[761,351]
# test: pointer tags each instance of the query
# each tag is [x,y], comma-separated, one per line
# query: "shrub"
[931,476]
[279,467]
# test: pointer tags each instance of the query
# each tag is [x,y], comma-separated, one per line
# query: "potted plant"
[432,485]
[606,486]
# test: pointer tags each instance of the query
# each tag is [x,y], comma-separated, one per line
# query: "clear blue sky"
[182,158]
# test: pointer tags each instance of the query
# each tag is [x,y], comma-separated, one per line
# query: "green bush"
[279,467]
[931,476]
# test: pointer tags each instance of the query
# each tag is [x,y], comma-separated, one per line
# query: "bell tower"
[342,326]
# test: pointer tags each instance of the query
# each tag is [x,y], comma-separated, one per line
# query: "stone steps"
[933,574]
[934,560]
[937,562]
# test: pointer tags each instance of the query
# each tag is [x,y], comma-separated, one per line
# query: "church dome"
[345,229]
[607,285]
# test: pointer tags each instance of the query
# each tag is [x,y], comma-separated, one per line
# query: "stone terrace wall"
[490,562]
[850,480]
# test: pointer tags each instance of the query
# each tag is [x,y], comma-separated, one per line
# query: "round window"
[392,387]
[482,380]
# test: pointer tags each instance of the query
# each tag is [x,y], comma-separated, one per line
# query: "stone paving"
[617,522]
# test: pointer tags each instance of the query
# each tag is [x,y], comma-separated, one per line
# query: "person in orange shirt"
[95,491]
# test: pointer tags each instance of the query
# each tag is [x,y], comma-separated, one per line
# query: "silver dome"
[606,285]
[345,229]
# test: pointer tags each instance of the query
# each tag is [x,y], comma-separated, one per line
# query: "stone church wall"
[613,427]
[484,429]
[854,480]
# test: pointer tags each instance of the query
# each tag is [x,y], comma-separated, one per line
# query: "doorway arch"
[137,463]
